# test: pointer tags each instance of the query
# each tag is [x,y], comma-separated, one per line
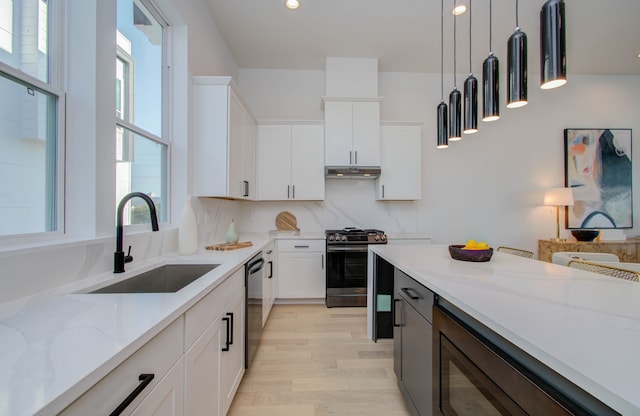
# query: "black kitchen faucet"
[119,259]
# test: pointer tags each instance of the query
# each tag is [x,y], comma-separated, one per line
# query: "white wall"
[489,186]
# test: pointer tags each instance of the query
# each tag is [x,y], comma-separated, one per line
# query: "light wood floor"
[317,361]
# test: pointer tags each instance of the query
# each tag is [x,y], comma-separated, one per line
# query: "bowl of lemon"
[471,251]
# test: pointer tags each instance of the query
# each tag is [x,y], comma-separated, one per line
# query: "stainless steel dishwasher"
[253,304]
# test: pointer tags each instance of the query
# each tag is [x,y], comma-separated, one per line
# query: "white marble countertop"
[584,326]
[56,345]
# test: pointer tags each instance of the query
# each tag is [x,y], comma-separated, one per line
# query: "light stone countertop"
[584,326]
[56,345]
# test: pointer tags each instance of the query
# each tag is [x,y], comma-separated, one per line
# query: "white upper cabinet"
[401,177]
[290,162]
[352,132]
[224,140]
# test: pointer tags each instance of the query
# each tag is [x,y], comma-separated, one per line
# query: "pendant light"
[517,67]
[553,59]
[490,84]
[443,134]
[470,94]
[455,98]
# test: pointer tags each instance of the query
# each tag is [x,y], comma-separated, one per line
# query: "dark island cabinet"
[412,338]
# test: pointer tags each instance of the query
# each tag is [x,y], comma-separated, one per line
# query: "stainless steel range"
[347,265]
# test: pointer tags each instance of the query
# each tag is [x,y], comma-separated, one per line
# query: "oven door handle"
[359,248]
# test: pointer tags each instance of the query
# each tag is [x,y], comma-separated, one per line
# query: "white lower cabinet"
[269,281]
[167,398]
[202,363]
[301,269]
[232,354]
[161,395]
[214,343]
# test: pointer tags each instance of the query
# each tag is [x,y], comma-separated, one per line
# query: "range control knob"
[377,237]
[331,238]
[384,237]
[344,238]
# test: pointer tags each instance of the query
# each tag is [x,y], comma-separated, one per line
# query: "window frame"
[54,86]
[166,124]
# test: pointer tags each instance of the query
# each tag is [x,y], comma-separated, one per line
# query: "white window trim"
[53,87]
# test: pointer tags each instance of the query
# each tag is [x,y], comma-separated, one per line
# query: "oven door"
[347,275]
[472,377]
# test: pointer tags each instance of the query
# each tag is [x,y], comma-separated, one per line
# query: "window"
[30,121]
[141,150]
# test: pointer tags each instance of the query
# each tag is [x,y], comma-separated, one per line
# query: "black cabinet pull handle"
[395,312]
[300,246]
[145,380]
[230,337]
[270,269]
[293,193]
[288,193]
[226,342]
[245,185]
[407,291]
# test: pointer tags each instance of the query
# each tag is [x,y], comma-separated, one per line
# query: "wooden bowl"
[457,252]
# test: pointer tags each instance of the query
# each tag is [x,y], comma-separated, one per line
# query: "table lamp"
[558,197]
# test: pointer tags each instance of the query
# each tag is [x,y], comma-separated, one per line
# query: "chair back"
[564,257]
[517,252]
[613,271]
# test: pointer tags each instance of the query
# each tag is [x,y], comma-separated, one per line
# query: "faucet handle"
[128,258]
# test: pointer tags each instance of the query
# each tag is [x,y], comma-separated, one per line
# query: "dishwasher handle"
[254,267]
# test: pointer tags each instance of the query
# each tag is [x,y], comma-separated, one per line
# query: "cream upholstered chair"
[613,271]
[517,252]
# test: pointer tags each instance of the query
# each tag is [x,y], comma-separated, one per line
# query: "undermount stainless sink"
[164,279]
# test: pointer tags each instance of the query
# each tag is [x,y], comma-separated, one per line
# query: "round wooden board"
[286,221]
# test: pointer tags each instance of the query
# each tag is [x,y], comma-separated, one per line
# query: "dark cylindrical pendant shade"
[490,89]
[470,105]
[455,115]
[517,70]
[443,133]
[553,60]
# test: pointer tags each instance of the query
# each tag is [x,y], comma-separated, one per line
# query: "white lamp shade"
[558,197]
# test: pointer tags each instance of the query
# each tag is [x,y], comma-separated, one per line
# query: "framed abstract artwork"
[598,170]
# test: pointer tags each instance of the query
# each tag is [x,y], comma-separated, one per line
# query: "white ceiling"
[603,36]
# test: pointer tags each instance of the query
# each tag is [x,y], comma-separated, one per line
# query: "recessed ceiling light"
[291,4]
[638,56]
[459,9]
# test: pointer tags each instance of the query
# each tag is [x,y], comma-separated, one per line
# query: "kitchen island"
[584,326]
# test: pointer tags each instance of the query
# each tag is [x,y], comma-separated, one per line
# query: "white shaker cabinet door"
[401,164]
[274,162]
[307,162]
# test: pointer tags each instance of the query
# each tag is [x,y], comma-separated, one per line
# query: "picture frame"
[598,169]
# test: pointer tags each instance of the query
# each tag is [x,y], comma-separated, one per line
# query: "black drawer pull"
[397,314]
[408,291]
[230,314]
[300,246]
[226,342]
[270,269]
[145,379]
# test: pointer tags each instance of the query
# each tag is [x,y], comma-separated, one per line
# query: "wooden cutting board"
[286,221]
[229,247]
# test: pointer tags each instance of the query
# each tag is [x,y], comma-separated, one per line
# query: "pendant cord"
[490,27]
[455,19]
[517,24]
[442,50]
[470,71]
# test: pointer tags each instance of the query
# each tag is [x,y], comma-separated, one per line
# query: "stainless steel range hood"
[352,172]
